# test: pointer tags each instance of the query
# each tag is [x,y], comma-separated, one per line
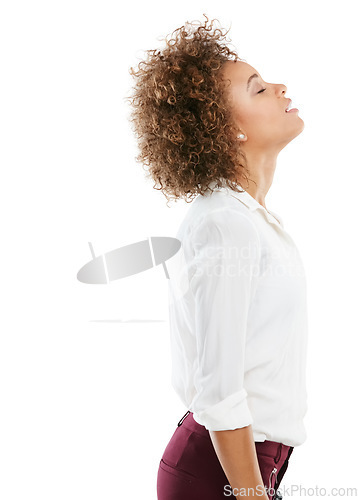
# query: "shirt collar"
[253,205]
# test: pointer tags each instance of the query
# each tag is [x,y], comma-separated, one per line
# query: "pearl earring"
[241,136]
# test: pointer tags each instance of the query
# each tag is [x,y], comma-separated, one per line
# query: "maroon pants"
[190,469]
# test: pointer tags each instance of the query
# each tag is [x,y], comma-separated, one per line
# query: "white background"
[87,407]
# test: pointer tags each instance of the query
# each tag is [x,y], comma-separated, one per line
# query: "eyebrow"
[250,79]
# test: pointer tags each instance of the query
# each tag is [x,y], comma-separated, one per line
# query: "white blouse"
[238,319]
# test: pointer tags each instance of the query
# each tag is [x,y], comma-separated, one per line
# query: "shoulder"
[218,206]
[219,215]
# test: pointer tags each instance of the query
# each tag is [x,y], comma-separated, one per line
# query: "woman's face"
[259,109]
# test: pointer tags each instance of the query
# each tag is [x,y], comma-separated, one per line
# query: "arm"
[237,454]
[225,265]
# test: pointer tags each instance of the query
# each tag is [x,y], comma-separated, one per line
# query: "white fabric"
[238,319]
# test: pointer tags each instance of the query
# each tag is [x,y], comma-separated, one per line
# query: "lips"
[288,105]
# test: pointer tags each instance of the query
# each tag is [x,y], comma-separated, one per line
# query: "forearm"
[236,452]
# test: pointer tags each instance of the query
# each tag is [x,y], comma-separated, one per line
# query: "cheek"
[264,118]
[257,120]
[260,118]
[254,113]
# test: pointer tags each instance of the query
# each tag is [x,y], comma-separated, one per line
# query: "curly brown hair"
[181,114]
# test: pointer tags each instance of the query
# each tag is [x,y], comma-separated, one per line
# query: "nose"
[281,88]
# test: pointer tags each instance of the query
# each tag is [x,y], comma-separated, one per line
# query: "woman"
[209,126]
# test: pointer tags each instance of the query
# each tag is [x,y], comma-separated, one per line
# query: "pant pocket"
[178,473]
[175,484]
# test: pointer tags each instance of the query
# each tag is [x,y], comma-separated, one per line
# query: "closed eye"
[262,90]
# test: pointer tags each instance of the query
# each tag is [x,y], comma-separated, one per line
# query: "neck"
[261,175]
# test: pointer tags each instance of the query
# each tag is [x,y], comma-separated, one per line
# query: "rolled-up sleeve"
[226,253]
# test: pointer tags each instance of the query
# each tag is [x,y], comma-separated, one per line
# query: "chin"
[300,125]
[303,123]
